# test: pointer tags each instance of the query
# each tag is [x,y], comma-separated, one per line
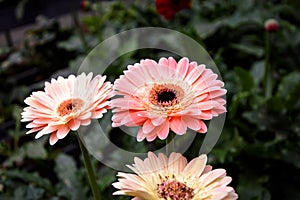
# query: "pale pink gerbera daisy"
[66,104]
[173,178]
[167,95]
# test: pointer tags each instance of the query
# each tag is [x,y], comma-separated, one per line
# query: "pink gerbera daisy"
[66,104]
[167,95]
[162,178]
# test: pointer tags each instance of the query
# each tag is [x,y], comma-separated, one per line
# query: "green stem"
[268,72]
[89,169]
[77,26]
[170,146]
[17,132]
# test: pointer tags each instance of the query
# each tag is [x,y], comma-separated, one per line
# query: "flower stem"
[17,132]
[268,72]
[77,26]
[89,169]
[170,145]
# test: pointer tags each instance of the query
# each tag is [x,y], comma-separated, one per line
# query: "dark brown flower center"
[69,106]
[165,94]
[174,190]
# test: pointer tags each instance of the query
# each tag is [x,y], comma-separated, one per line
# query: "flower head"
[168,8]
[85,5]
[167,95]
[66,104]
[271,25]
[163,178]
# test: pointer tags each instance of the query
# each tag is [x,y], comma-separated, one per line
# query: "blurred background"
[258,59]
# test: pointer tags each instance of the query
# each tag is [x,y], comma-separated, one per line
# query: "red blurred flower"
[271,25]
[168,8]
[85,5]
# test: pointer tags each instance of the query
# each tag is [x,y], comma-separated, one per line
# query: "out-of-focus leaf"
[249,49]
[237,19]
[249,188]
[220,154]
[34,193]
[67,172]
[74,43]
[27,177]
[107,176]
[36,150]
[289,89]
[275,103]
[19,193]
[291,157]
[257,71]
[20,8]
[75,64]
[16,157]
[236,100]
[245,79]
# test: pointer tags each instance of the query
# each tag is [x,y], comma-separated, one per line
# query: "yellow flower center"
[174,190]
[69,106]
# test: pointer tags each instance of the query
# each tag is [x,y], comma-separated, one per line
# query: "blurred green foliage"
[260,143]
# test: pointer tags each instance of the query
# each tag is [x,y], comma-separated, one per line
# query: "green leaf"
[34,193]
[249,188]
[257,71]
[19,193]
[235,102]
[108,176]
[27,177]
[249,49]
[289,90]
[244,78]
[36,150]
[17,156]
[67,171]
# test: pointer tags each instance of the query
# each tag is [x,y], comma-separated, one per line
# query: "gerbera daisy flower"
[66,104]
[159,178]
[167,95]
[168,8]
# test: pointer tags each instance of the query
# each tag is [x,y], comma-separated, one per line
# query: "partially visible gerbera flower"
[162,178]
[168,8]
[66,104]
[167,95]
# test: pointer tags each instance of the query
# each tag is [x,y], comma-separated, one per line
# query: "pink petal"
[86,122]
[48,129]
[182,67]
[151,136]
[74,124]
[196,166]
[53,139]
[62,132]
[148,127]
[157,121]
[195,74]
[203,127]
[191,122]
[178,126]
[163,132]
[140,136]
